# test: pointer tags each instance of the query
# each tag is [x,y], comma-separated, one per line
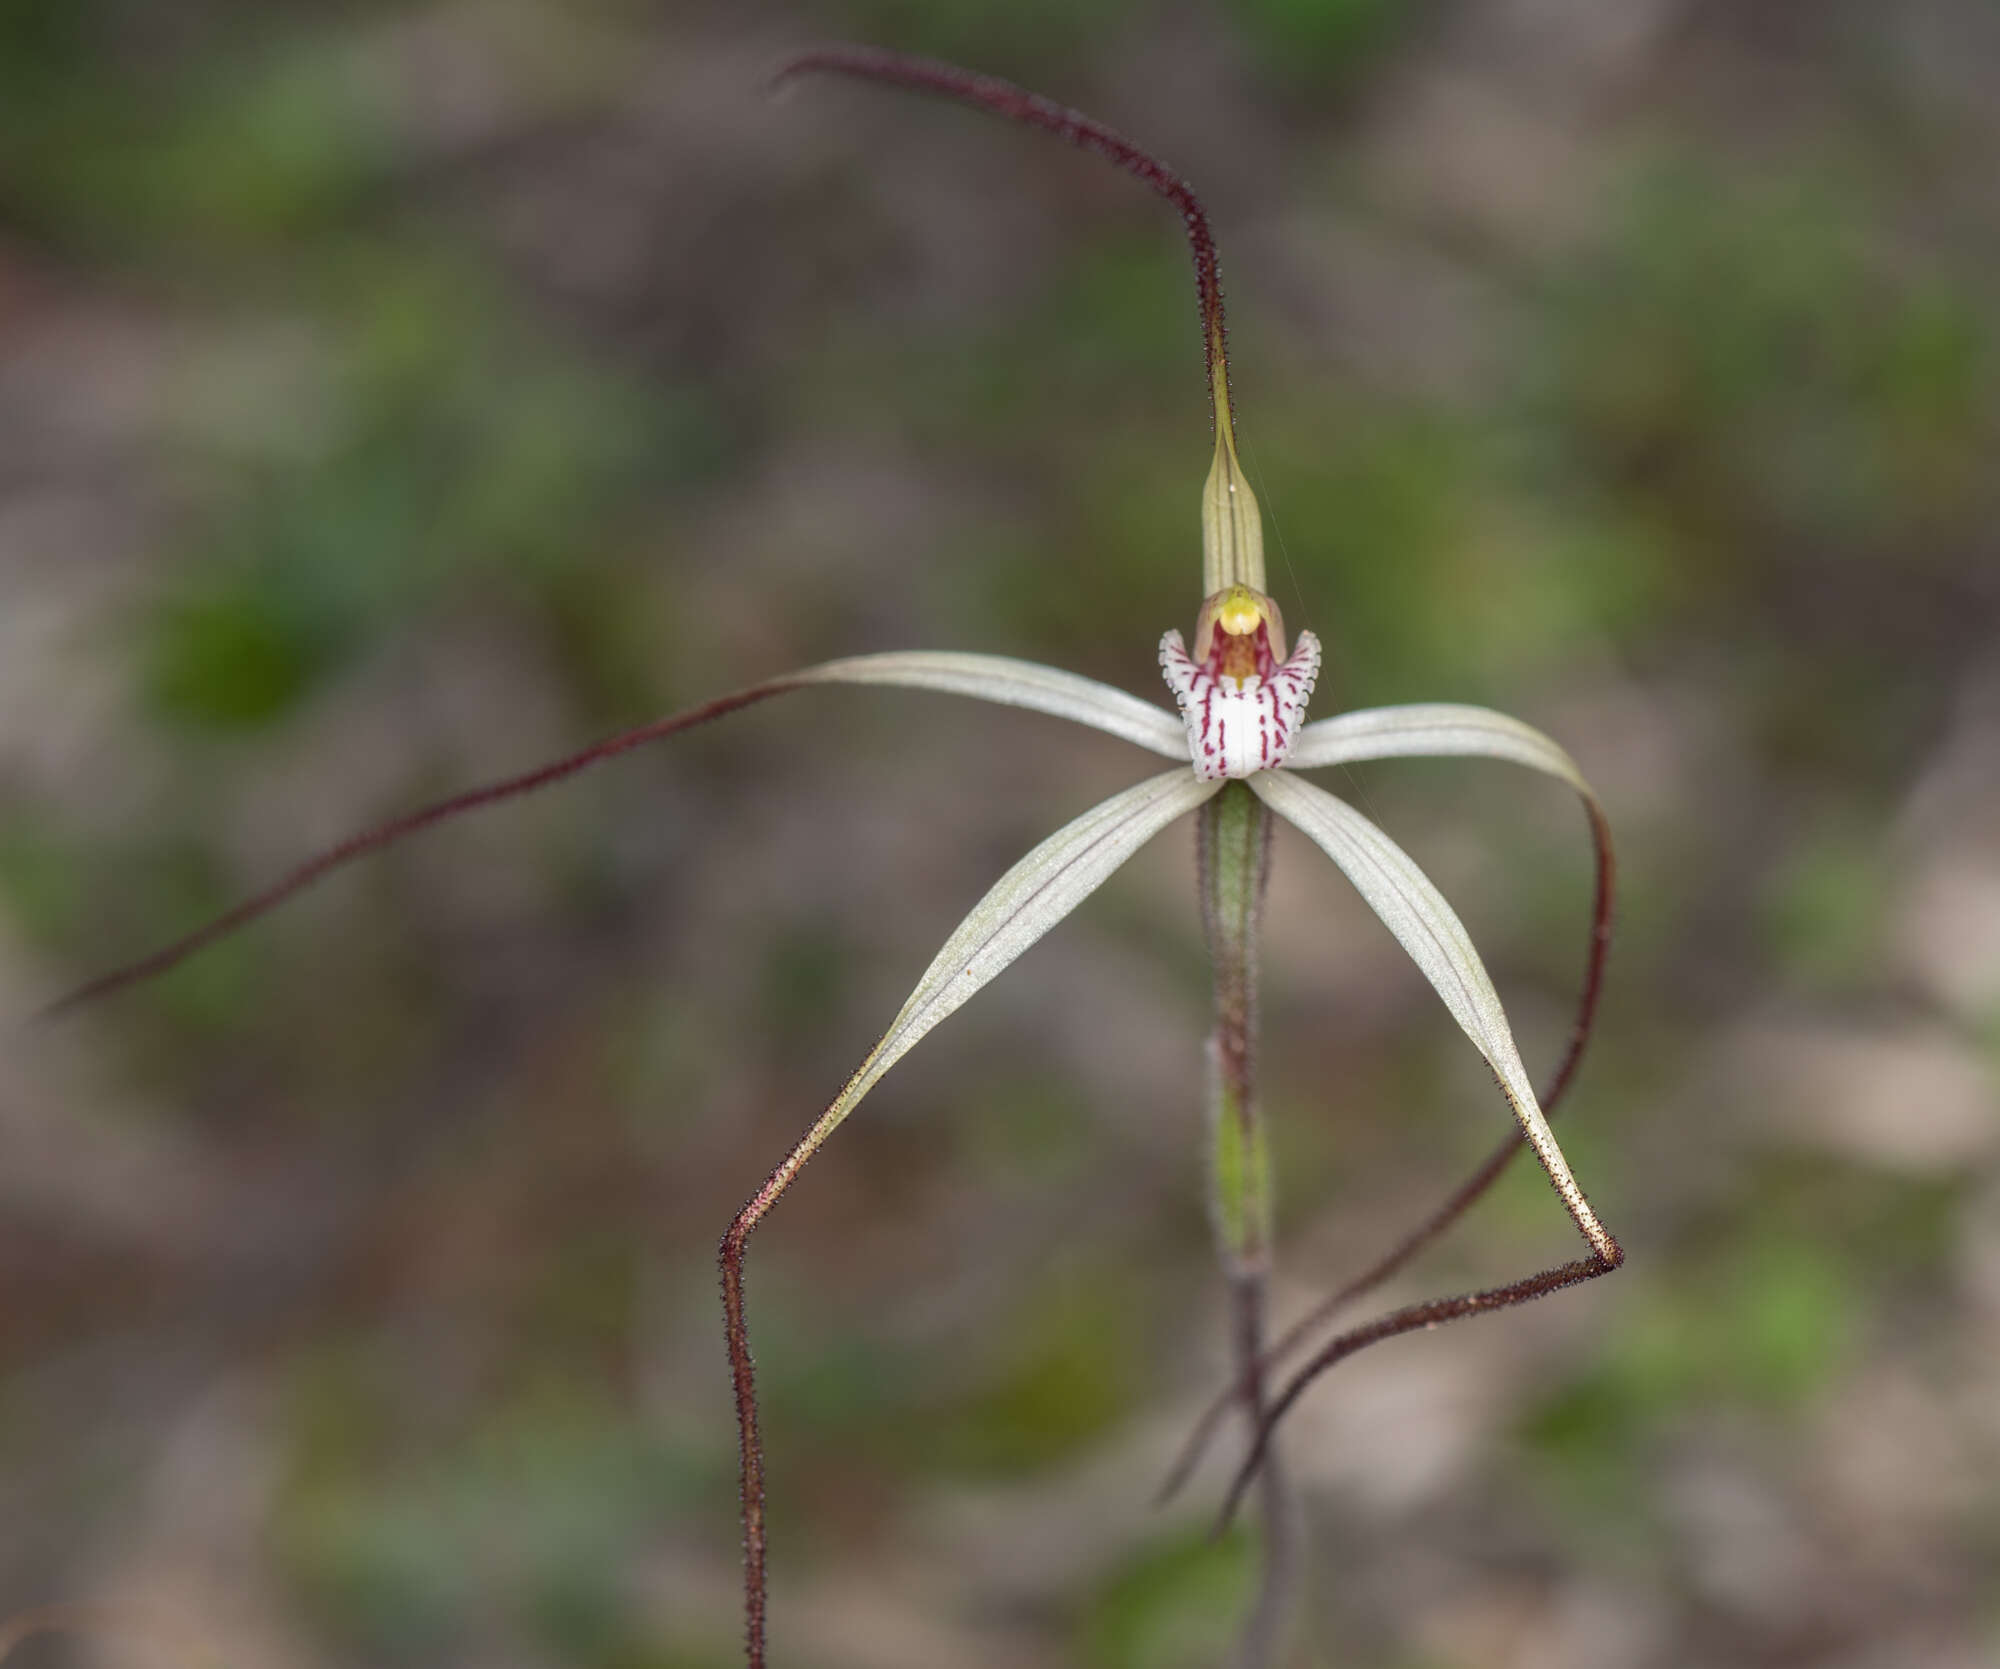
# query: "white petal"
[1012,683]
[1438,730]
[1427,927]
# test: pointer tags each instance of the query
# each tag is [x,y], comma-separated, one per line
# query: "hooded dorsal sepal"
[1232,525]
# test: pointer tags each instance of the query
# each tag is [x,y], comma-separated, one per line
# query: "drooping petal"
[1012,683]
[1428,928]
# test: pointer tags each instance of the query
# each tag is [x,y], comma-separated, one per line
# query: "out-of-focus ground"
[392,397]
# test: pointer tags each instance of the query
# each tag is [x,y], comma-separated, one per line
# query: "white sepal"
[1023,904]
[1428,928]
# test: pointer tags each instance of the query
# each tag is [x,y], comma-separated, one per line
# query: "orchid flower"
[1236,744]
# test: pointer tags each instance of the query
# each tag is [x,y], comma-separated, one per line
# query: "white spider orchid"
[1236,747]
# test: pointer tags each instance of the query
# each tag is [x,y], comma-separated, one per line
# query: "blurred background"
[394,396]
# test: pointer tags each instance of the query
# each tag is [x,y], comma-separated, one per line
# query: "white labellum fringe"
[1238,727]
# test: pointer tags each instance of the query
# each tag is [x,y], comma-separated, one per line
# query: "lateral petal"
[1431,730]
[1012,683]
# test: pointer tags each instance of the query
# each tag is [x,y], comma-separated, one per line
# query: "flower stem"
[1235,858]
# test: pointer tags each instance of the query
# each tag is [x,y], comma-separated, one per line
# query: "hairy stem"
[1235,859]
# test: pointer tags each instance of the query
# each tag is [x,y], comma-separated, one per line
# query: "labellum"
[1242,700]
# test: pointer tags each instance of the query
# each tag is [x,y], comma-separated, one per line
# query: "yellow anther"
[1241,611]
[1238,611]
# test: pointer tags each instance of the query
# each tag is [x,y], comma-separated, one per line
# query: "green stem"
[1235,861]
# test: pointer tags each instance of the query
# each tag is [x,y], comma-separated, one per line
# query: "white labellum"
[1237,727]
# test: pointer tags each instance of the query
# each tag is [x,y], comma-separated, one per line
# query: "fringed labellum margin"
[1241,699]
